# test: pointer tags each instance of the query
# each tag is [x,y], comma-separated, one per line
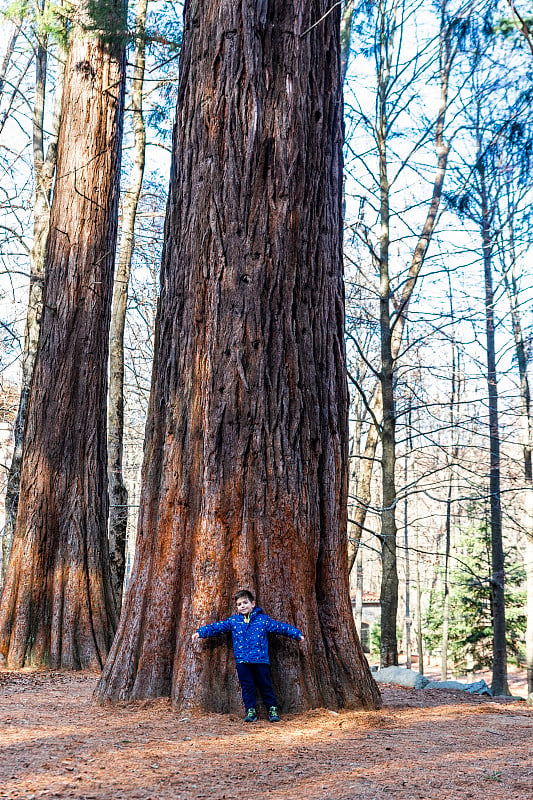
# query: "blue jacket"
[250,643]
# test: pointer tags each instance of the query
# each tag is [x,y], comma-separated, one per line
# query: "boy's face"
[244,605]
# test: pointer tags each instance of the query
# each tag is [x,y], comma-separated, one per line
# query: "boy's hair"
[244,593]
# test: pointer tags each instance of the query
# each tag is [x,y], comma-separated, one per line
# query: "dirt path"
[430,745]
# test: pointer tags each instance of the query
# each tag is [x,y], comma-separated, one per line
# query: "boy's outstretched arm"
[275,626]
[214,629]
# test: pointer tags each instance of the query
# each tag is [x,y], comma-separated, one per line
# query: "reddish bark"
[57,607]
[245,471]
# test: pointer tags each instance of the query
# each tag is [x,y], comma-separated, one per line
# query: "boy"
[249,628]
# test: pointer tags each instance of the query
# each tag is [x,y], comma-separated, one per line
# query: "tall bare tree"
[389,28]
[496,158]
[513,213]
[452,457]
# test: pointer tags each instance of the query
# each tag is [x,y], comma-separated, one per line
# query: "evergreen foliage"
[470,622]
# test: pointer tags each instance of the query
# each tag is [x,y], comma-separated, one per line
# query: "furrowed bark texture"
[245,470]
[57,607]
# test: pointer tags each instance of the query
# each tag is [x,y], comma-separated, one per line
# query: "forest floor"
[422,745]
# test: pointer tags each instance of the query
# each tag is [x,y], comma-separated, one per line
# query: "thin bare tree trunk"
[363,499]
[118,494]
[529,609]
[419,637]
[454,452]
[246,458]
[511,286]
[446,601]
[499,665]
[389,569]
[408,620]
[57,607]
[359,594]
[44,169]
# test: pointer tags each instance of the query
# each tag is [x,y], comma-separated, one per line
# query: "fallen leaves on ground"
[422,745]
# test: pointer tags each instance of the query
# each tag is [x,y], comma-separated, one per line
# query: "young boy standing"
[249,628]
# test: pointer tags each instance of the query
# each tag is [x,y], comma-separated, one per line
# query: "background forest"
[438,120]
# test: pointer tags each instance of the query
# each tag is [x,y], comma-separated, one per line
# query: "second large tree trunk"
[245,471]
[57,607]
[44,168]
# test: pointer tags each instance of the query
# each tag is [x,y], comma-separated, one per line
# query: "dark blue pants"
[252,676]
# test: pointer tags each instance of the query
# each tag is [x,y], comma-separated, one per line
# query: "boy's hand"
[302,639]
[195,636]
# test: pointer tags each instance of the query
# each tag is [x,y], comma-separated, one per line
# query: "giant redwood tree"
[245,469]
[57,607]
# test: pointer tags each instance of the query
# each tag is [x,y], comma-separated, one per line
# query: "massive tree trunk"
[245,469]
[118,494]
[57,607]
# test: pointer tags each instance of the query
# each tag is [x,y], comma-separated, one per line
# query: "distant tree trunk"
[511,287]
[364,482]
[499,665]
[118,494]
[446,601]
[408,621]
[419,637]
[245,469]
[448,522]
[389,570]
[529,610]
[359,589]
[44,168]
[57,607]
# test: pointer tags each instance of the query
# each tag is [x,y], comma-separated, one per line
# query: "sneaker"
[273,715]
[251,716]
